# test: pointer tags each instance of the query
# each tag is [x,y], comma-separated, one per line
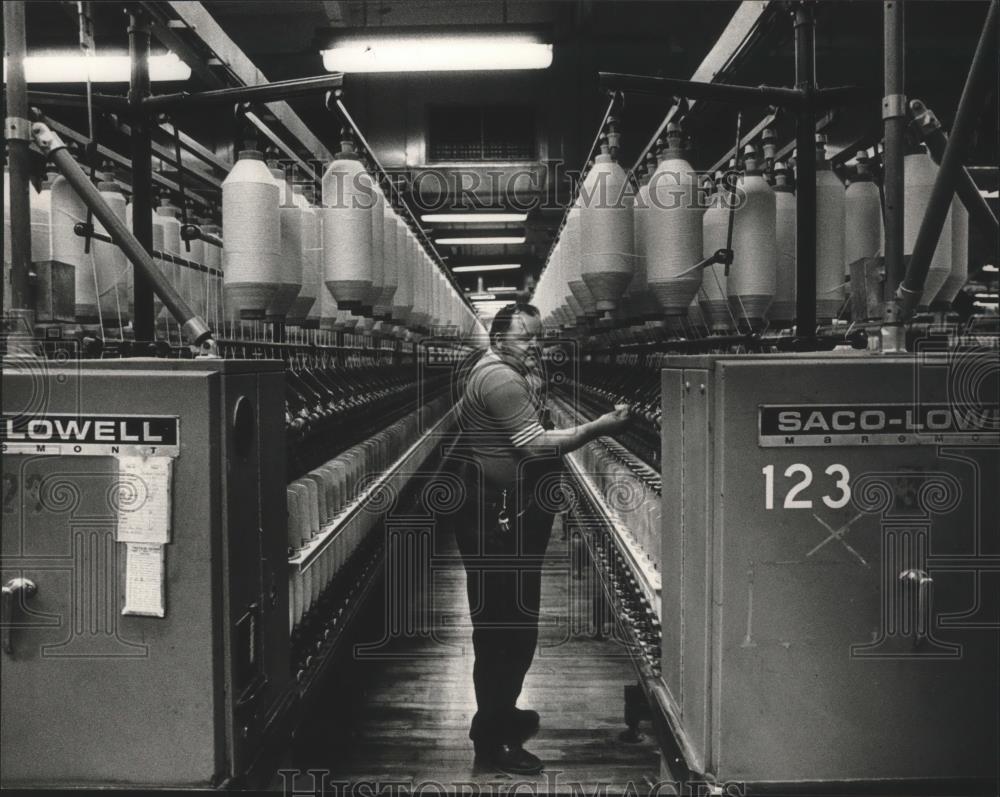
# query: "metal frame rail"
[676,750]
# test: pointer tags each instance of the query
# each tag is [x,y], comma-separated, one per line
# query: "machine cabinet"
[831,574]
[94,694]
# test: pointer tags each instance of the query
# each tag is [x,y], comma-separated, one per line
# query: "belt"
[496,504]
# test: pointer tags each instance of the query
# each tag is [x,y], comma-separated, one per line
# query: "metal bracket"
[17,128]
[924,118]
[46,139]
[894,106]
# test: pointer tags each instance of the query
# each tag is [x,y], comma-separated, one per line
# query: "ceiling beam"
[733,41]
[201,24]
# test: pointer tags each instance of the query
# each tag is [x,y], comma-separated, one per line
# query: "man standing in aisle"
[501,455]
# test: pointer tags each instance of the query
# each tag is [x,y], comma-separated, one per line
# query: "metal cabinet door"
[89,696]
[77,676]
[832,662]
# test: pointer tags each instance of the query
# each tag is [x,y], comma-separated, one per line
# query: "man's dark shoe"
[510,758]
[525,723]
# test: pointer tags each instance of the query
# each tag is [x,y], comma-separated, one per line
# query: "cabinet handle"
[10,595]
[924,584]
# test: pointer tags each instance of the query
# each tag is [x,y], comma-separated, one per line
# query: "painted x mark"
[838,534]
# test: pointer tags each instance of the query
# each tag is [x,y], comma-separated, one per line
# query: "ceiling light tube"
[73,67]
[482,241]
[500,267]
[474,218]
[436,52]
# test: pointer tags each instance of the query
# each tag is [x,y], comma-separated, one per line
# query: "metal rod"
[671,112]
[977,87]
[192,232]
[805,181]
[68,100]
[17,131]
[125,162]
[55,149]
[785,152]
[143,317]
[171,158]
[732,191]
[198,150]
[937,140]
[694,89]
[825,99]
[894,127]
[275,139]
[87,231]
[264,92]
[612,102]
[753,133]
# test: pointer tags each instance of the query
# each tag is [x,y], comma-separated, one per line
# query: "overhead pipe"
[978,85]
[936,139]
[726,92]
[192,324]
[17,131]
[109,102]
[805,174]
[263,92]
[143,317]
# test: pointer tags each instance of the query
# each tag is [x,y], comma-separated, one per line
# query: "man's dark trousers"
[503,575]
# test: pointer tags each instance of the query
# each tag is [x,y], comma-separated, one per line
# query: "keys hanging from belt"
[503,519]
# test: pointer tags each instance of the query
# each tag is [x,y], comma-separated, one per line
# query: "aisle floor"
[404,716]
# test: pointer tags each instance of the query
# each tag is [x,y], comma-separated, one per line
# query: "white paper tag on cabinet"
[144,499]
[144,580]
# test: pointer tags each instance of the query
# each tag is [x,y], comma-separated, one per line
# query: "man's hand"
[613,422]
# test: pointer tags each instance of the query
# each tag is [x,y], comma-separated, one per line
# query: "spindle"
[674,230]
[919,173]
[959,274]
[750,287]
[713,297]
[606,232]
[782,312]
[348,203]
[830,233]
[251,228]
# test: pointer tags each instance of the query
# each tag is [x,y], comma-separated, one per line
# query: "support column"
[143,320]
[17,132]
[805,174]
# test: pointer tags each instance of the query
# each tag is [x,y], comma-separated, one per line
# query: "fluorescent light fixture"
[987,268]
[501,267]
[436,51]
[73,67]
[481,241]
[481,297]
[474,218]
[501,288]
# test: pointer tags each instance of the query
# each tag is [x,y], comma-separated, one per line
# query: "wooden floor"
[400,711]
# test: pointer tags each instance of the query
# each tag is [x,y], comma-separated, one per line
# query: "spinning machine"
[193,521]
[205,423]
[794,536]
